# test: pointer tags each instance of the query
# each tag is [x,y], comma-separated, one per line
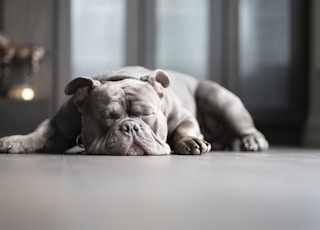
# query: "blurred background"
[266,52]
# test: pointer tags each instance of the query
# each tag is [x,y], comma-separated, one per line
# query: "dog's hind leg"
[220,109]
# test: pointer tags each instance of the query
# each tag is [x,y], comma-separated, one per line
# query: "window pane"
[97,35]
[182,36]
[264,52]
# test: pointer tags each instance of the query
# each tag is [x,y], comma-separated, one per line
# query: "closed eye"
[147,113]
[110,115]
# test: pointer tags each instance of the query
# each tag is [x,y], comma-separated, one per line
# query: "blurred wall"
[45,23]
[312,135]
[30,22]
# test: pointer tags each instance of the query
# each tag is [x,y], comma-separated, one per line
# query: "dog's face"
[122,116]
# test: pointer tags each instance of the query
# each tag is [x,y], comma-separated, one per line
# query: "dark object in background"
[18,62]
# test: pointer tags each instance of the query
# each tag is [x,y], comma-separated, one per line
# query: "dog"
[137,111]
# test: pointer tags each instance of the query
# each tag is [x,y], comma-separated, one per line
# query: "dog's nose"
[130,127]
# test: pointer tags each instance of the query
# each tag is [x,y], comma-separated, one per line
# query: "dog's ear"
[80,88]
[159,80]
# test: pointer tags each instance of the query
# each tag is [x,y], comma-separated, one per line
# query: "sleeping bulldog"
[137,111]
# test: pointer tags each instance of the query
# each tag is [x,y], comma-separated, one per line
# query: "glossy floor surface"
[277,190]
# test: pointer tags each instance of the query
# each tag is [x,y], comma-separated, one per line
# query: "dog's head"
[122,115]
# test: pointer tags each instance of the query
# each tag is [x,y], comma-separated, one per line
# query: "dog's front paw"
[191,145]
[15,144]
[254,142]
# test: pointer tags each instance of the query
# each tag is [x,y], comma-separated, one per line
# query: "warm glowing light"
[21,93]
[27,94]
